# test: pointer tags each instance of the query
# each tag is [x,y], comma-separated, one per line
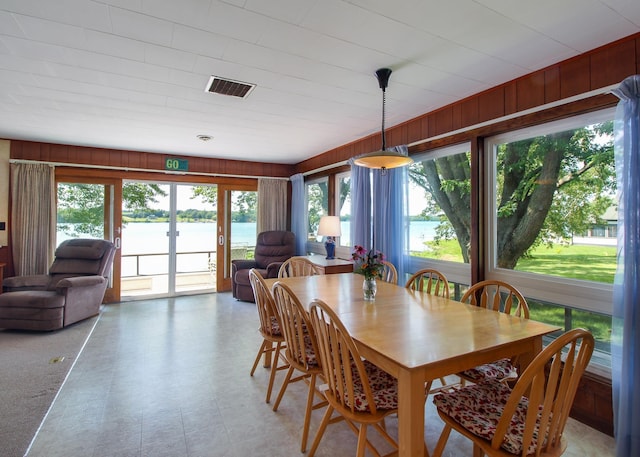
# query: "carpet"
[33,367]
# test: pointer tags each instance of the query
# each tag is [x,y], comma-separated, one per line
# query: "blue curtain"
[299,213]
[389,214]
[360,205]
[626,293]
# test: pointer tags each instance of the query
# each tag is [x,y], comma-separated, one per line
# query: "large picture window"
[343,207]
[439,212]
[317,206]
[549,186]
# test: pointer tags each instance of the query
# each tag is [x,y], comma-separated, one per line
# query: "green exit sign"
[174,164]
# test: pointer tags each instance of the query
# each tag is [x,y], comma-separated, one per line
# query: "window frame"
[456,272]
[314,247]
[571,293]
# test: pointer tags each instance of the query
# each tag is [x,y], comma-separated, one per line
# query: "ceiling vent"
[223,86]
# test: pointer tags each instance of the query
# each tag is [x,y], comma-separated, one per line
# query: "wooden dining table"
[418,337]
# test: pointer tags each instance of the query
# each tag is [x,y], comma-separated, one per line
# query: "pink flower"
[368,263]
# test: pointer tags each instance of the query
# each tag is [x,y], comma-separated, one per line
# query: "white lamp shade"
[329,226]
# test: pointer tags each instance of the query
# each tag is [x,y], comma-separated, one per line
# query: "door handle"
[116,242]
[221,240]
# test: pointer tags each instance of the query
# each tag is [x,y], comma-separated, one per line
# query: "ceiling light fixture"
[383,159]
[204,137]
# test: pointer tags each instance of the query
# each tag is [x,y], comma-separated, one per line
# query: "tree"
[244,207]
[548,187]
[209,194]
[317,204]
[81,206]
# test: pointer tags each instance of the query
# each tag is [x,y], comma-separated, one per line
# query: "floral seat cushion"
[500,369]
[383,386]
[309,353]
[478,408]
[275,327]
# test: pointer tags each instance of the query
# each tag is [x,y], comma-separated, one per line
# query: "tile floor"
[170,377]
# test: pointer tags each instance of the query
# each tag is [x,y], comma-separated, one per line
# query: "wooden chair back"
[340,360]
[297,266]
[497,296]
[298,334]
[270,326]
[390,273]
[430,281]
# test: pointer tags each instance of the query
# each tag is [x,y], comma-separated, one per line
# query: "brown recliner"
[72,291]
[272,248]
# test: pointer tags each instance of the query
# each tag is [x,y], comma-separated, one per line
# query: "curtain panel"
[390,211]
[625,347]
[299,213]
[272,204]
[361,231]
[33,218]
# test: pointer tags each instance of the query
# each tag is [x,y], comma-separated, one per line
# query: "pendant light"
[383,159]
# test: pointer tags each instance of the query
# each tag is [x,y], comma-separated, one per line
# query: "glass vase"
[369,288]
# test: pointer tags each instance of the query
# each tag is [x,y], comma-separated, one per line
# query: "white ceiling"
[131,74]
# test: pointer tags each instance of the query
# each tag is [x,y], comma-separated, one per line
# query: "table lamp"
[330,227]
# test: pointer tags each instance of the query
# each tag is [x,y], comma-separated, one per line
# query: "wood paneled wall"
[138,161]
[596,69]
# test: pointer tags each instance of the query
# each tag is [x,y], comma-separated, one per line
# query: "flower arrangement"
[368,263]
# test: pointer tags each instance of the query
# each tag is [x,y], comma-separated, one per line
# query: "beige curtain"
[272,204]
[33,217]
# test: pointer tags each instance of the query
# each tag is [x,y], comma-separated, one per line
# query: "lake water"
[151,237]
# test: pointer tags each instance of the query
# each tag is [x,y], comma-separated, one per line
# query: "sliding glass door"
[236,229]
[91,208]
[169,243]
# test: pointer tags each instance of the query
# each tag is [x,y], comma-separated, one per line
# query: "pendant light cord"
[384,98]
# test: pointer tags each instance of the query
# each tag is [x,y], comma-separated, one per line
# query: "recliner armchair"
[72,291]
[272,249]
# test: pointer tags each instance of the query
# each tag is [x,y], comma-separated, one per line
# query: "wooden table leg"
[411,414]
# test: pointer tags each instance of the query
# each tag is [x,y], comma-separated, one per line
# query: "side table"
[331,266]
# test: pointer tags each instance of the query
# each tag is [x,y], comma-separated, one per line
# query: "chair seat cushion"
[500,369]
[478,408]
[384,388]
[310,355]
[31,299]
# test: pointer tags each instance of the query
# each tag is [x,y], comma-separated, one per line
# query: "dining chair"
[301,352]
[297,266]
[270,329]
[497,296]
[389,273]
[528,420]
[430,281]
[358,390]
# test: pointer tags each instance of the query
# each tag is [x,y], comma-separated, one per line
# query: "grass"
[590,263]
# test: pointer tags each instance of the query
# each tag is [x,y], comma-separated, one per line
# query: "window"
[317,206]
[440,212]
[547,184]
[343,207]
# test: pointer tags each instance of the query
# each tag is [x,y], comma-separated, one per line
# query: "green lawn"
[591,263]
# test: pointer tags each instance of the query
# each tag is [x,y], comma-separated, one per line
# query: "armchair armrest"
[242,264]
[26,282]
[81,281]
[273,268]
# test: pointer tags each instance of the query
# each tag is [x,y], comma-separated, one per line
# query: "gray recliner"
[72,291]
